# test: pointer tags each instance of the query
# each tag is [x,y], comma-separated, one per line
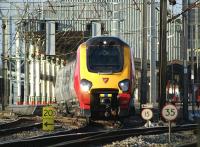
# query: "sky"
[178,7]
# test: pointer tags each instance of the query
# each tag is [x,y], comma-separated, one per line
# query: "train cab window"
[105,58]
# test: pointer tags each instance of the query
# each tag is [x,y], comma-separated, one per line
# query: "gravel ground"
[139,141]
[32,133]
[23,135]
[156,140]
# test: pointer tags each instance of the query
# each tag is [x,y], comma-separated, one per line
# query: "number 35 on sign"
[169,112]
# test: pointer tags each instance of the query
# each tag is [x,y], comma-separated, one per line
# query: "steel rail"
[89,138]
[193,144]
[122,134]
[9,131]
[47,141]
[65,132]
[13,123]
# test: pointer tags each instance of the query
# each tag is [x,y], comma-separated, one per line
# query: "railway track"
[94,138]
[193,144]
[19,125]
[85,128]
[12,123]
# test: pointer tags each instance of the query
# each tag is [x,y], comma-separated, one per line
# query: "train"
[99,83]
[175,83]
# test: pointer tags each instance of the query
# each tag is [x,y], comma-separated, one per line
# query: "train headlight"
[85,85]
[124,85]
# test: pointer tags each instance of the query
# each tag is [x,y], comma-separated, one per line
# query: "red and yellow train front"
[104,77]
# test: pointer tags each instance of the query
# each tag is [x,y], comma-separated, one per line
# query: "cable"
[193,5]
[136,5]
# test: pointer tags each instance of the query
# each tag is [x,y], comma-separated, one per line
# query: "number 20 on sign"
[48,115]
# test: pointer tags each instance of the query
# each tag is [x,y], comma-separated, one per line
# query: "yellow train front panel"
[103,80]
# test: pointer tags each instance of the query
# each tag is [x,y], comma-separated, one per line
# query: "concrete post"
[37,73]
[32,74]
[153,53]
[162,55]
[115,24]
[43,79]
[185,56]
[53,74]
[18,70]
[5,63]
[48,74]
[143,90]
[10,63]
[26,72]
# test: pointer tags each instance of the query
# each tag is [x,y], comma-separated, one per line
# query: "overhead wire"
[190,7]
[104,5]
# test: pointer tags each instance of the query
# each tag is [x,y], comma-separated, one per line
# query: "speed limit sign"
[169,112]
[147,114]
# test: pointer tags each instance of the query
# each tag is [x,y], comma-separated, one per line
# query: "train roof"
[109,40]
